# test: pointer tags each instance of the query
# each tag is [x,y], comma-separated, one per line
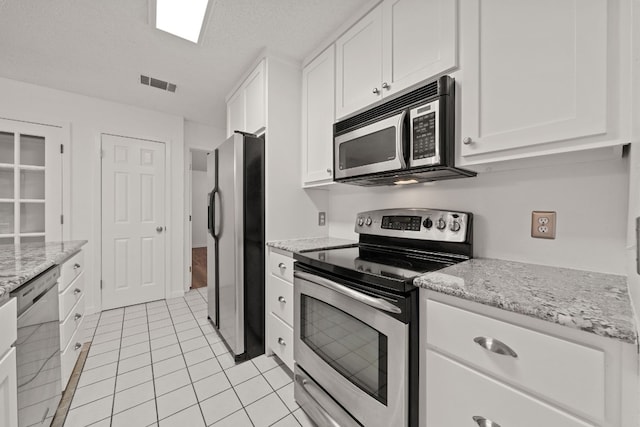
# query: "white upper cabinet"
[318,81]
[246,107]
[398,44]
[539,72]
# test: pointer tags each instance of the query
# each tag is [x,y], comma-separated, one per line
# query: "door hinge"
[189,217]
[61,219]
[189,269]
[100,284]
[61,148]
[102,154]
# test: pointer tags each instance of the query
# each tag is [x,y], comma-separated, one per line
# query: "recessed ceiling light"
[405,181]
[181,18]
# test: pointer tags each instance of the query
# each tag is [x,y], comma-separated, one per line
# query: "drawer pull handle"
[282,300]
[495,346]
[282,266]
[77,291]
[78,316]
[76,266]
[77,346]
[281,341]
[484,422]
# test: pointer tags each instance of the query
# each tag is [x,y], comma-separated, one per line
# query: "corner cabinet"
[538,373]
[397,45]
[247,105]
[318,81]
[542,77]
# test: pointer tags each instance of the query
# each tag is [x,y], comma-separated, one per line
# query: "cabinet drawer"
[71,323]
[281,266]
[280,299]
[8,389]
[568,373]
[70,354]
[70,270]
[8,320]
[71,296]
[456,394]
[281,340]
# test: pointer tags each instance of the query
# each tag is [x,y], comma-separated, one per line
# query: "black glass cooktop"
[382,267]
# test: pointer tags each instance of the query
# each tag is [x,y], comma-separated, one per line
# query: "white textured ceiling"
[100,47]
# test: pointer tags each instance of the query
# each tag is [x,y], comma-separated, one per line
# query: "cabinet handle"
[328,170]
[495,346]
[376,91]
[485,422]
[281,342]
[76,266]
[386,86]
[77,346]
[281,266]
[77,291]
[78,316]
[467,141]
[282,300]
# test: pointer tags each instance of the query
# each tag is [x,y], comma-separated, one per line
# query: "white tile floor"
[162,363]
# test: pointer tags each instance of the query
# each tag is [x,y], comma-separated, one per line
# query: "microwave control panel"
[424,135]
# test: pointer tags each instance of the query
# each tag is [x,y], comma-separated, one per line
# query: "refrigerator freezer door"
[230,243]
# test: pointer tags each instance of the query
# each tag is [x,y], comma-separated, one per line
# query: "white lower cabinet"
[481,365]
[8,373]
[279,307]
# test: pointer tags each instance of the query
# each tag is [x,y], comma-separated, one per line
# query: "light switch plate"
[543,224]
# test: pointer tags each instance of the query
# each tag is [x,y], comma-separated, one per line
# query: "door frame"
[167,212]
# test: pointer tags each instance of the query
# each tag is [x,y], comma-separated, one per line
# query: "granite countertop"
[20,263]
[311,244]
[593,302]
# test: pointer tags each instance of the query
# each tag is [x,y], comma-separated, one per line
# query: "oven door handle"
[378,303]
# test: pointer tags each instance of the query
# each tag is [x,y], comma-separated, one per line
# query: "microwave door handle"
[400,129]
[374,302]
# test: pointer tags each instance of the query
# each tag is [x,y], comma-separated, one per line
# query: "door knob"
[159,229]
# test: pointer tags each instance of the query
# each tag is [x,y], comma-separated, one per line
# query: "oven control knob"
[368,222]
[455,226]
[360,221]
[427,223]
[441,224]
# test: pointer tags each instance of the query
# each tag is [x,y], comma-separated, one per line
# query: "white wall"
[88,118]
[200,188]
[590,199]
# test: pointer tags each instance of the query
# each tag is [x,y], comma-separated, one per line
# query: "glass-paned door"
[30,182]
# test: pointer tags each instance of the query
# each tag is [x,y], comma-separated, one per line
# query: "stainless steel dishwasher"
[38,349]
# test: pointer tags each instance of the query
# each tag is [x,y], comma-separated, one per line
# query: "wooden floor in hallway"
[198,268]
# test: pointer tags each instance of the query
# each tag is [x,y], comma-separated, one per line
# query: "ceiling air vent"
[160,84]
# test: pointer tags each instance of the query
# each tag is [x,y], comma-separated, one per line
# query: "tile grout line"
[153,377]
[115,383]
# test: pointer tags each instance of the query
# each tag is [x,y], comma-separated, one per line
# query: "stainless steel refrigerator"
[236,228]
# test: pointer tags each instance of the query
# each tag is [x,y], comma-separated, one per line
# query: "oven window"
[372,148]
[348,345]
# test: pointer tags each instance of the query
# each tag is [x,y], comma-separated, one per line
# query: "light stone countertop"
[311,244]
[21,263]
[593,302]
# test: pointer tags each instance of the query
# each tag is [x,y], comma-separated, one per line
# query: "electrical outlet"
[543,224]
[322,218]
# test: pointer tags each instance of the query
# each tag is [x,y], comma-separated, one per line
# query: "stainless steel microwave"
[407,139]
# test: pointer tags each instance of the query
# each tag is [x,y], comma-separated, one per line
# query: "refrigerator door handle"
[211,214]
[217,228]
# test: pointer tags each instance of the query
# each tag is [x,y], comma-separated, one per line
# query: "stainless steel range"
[356,316]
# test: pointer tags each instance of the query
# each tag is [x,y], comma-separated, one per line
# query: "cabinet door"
[318,83]
[420,40]
[534,72]
[8,389]
[254,99]
[235,113]
[359,64]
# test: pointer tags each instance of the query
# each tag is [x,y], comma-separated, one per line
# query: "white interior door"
[133,221]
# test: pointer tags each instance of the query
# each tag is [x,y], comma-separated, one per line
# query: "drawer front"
[568,373]
[70,270]
[71,323]
[8,320]
[280,338]
[281,266]
[280,299]
[456,394]
[70,355]
[71,295]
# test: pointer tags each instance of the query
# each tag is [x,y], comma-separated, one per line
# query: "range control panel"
[414,223]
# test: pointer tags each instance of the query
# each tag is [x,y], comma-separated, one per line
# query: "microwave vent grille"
[399,103]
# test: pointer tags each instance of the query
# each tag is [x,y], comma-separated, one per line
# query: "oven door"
[374,148]
[353,349]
